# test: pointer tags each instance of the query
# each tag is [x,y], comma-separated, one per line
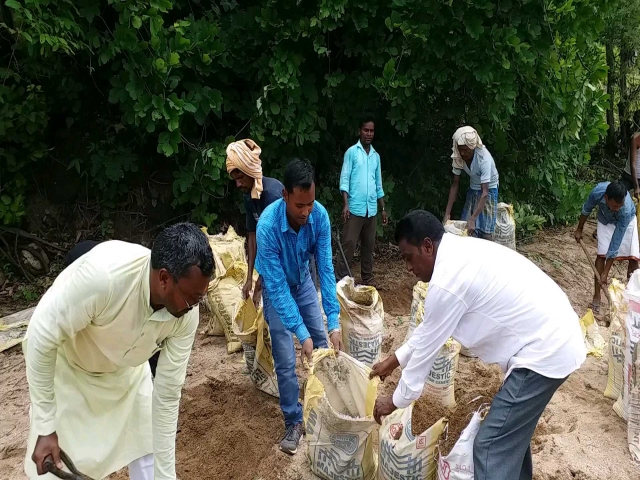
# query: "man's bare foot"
[595,307]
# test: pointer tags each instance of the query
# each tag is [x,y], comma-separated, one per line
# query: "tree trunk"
[626,54]
[611,80]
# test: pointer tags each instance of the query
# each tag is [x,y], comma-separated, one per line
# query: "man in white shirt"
[87,350]
[507,311]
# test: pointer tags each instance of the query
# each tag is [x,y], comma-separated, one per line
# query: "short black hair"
[181,246]
[298,174]
[616,191]
[418,225]
[366,118]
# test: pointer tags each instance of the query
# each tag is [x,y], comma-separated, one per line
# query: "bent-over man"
[507,311]
[86,352]
[289,231]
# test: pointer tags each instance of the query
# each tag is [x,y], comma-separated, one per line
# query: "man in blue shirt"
[245,167]
[290,230]
[617,231]
[361,187]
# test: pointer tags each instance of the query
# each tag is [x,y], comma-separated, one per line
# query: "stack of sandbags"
[615,349]
[252,331]
[225,290]
[361,320]
[338,417]
[629,401]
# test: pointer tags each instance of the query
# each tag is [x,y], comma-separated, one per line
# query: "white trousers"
[142,468]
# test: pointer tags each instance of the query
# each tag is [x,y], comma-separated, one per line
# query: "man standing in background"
[361,187]
[245,167]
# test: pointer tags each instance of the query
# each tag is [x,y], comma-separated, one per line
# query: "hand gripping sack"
[225,294]
[252,331]
[615,349]
[458,464]
[505,232]
[630,394]
[403,455]
[338,417]
[361,320]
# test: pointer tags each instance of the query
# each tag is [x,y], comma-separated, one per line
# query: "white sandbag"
[458,464]
[338,417]
[361,320]
[228,248]
[405,456]
[505,231]
[457,227]
[615,349]
[631,370]
[225,294]
[593,341]
[417,307]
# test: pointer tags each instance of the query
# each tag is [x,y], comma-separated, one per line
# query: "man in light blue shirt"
[617,231]
[361,187]
[290,230]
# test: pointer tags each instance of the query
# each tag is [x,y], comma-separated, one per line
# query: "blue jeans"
[284,355]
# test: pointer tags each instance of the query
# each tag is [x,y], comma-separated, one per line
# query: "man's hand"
[385,368]
[257,292]
[307,350]
[246,290]
[578,234]
[385,218]
[45,447]
[383,407]
[636,193]
[336,340]
[604,278]
[471,226]
[345,213]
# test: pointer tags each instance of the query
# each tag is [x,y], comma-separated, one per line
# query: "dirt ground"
[229,430]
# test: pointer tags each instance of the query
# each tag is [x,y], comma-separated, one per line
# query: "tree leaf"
[174,58]
[189,107]
[136,22]
[13,4]
[275,108]
[389,69]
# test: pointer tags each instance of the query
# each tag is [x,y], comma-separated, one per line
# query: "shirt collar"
[284,222]
[372,150]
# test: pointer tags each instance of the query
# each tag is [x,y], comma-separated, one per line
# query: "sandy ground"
[229,430]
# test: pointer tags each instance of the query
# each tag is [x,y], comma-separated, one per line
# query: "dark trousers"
[75,253]
[502,448]
[363,229]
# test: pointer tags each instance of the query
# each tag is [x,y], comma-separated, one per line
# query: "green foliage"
[164,85]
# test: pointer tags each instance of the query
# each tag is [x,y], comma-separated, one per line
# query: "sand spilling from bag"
[427,410]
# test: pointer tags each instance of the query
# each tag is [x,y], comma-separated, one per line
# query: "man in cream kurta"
[87,347]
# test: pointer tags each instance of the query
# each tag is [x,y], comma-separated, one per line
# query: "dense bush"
[117,90]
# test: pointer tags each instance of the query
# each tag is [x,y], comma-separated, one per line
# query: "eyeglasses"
[189,306]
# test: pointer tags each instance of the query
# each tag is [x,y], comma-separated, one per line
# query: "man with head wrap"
[245,167]
[481,206]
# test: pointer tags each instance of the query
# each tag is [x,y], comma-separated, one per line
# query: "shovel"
[50,467]
[595,271]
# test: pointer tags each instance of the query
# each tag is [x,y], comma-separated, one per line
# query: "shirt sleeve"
[485,168]
[325,272]
[66,309]
[275,283]
[345,174]
[443,310]
[456,171]
[379,190]
[167,390]
[250,220]
[592,201]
